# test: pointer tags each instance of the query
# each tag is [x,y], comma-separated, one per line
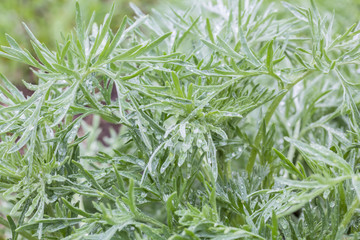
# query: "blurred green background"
[48,18]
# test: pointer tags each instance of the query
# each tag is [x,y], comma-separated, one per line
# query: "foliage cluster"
[236,122]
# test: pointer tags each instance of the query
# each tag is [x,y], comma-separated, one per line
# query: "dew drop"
[183,130]
[326,193]
[26,192]
[284,224]
[199,143]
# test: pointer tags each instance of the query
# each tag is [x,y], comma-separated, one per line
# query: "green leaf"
[245,47]
[13,93]
[151,45]
[170,208]
[209,31]
[135,74]
[102,33]
[114,43]
[270,57]
[289,165]
[12,227]
[319,154]
[211,156]
[274,228]
[356,184]
[80,31]
[75,210]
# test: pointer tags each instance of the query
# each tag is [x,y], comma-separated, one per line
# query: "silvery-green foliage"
[238,120]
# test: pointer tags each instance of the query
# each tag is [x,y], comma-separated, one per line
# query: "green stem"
[267,118]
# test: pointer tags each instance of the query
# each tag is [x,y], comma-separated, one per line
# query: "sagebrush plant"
[238,120]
